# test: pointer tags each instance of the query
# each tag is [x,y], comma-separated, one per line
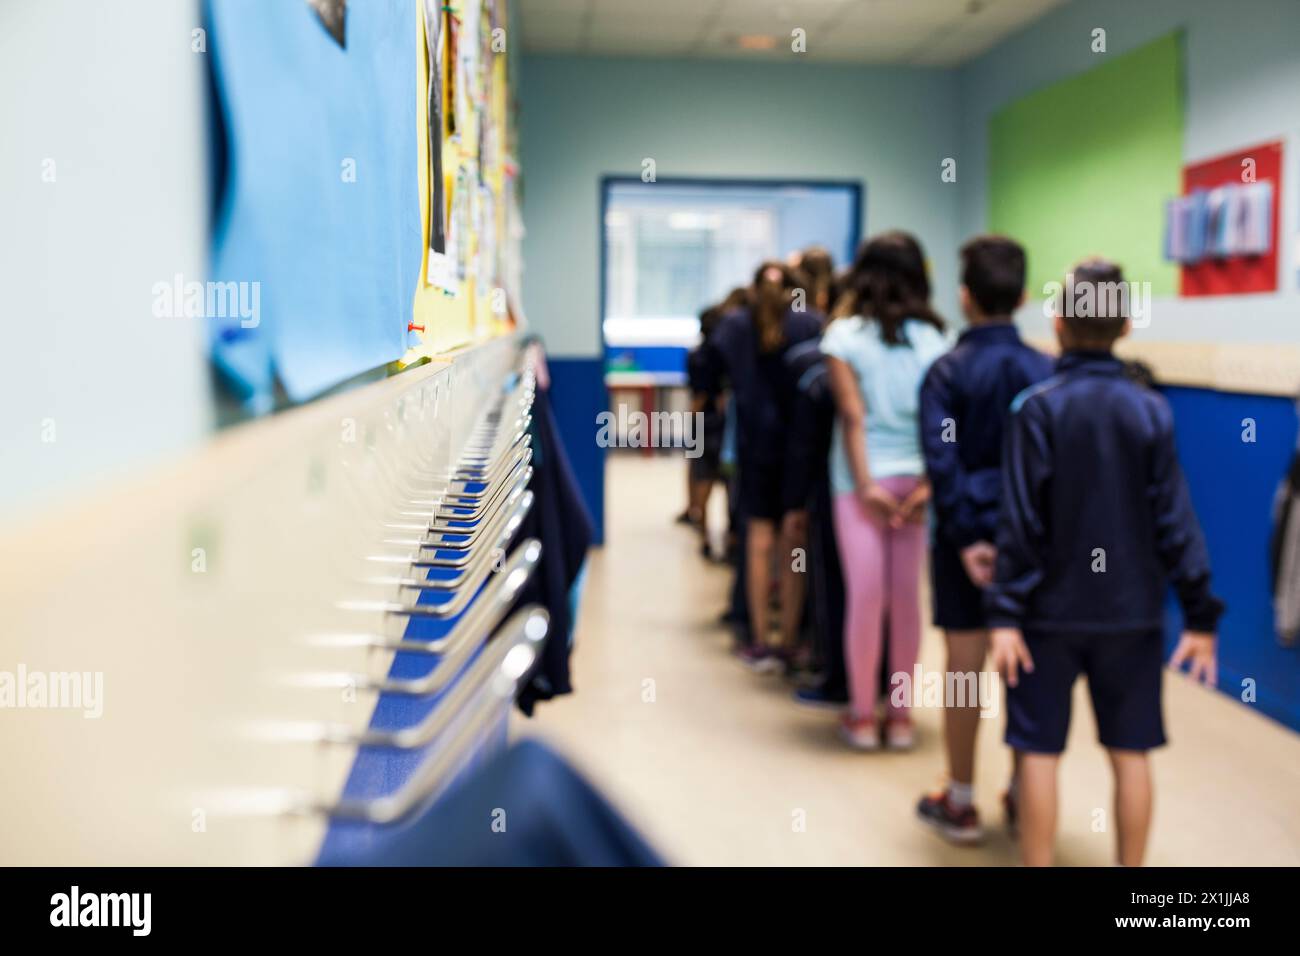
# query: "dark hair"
[1094,302]
[771,302]
[1140,373]
[888,283]
[818,268]
[737,298]
[993,271]
[709,320]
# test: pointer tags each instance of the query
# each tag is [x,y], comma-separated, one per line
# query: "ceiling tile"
[648,28]
[640,46]
[921,32]
[540,10]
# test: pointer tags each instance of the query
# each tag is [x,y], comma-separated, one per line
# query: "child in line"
[705,470]
[818,268]
[807,485]
[748,350]
[965,400]
[1095,519]
[883,341]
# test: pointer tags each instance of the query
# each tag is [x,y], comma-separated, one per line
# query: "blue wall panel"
[647,358]
[578,395]
[1232,484]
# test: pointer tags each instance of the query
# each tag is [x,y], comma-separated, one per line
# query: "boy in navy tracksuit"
[1095,520]
[965,400]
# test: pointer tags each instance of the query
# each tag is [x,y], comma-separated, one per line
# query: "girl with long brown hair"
[879,347]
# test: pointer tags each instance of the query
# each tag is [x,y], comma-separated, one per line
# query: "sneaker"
[956,826]
[761,660]
[794,666]
[1011,813]
[899,734]
[817,697]
[859,732]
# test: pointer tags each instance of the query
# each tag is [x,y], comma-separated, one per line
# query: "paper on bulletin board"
[1238,274]
[459,298]
[441,319]
[434,45]
[467,81]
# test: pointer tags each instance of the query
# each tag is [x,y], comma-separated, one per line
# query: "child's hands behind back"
[911,510]
[876,500]
[1198,648]
[1010,654]
[978,559]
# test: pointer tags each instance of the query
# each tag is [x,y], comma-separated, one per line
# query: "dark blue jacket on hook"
[1096,516]
[525,806]
[559,519]
[965,399]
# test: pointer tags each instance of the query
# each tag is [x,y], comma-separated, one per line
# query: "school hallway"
[719,766]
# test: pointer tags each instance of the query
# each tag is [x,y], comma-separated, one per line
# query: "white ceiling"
[912,32]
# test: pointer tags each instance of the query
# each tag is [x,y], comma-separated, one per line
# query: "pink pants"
[882,573]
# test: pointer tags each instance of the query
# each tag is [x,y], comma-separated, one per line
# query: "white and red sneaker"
[860,733]
[960,826]
[761,660]
[899,734]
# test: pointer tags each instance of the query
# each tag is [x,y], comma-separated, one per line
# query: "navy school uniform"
[560,520]
[965,400]
[556,818]
[1096,519]
[806,484]
[707,466]
[761,392]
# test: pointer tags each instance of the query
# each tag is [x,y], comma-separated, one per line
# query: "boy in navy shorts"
[1095,520]
[965,400]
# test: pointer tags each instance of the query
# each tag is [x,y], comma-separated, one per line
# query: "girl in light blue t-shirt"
[879,350]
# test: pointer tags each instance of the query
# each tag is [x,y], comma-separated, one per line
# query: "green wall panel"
[1084,166]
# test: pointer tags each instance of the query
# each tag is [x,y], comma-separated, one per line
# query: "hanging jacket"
[559,519]
[556,818]
[1284,551]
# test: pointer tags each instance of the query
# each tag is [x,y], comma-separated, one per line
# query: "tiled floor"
[718,766]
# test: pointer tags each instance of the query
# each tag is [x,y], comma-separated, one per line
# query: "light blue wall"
[113,96]
[1242,61]
[581,119]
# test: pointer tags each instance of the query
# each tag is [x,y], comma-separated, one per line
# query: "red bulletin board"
[1238,273]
